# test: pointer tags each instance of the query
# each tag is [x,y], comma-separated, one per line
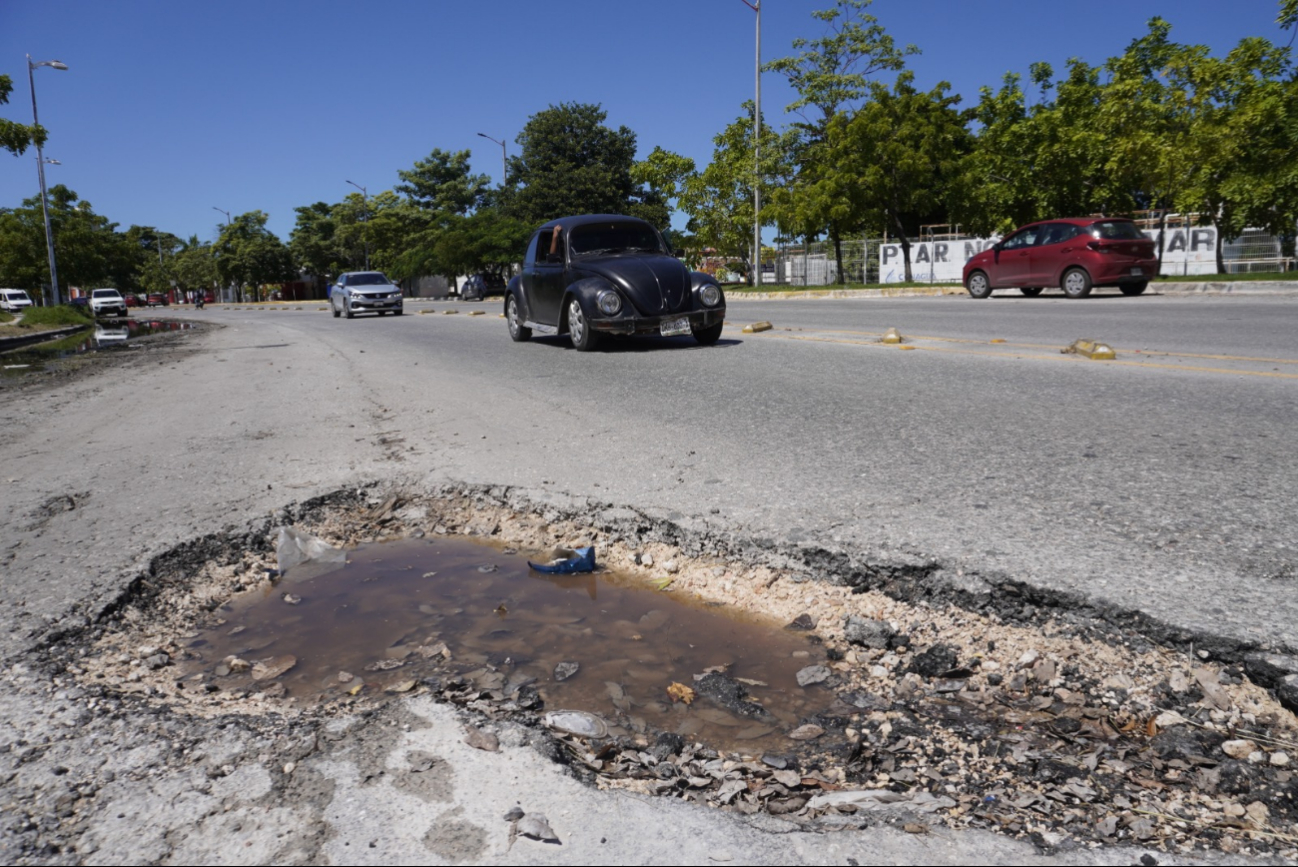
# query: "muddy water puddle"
[105,334]
[400,612]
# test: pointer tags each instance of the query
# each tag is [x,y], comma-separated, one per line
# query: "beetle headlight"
[609,302]
[710,295]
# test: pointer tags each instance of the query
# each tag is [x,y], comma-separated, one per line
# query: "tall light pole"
[40,171]
[365,233]
[756,6]
[227,225]
[503,170]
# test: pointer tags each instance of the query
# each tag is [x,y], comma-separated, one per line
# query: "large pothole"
[1062,731]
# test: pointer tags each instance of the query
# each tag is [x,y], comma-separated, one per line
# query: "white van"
[14,300]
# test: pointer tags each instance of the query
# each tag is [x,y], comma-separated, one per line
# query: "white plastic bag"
[296,547]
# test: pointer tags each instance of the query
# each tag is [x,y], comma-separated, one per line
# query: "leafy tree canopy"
[571,163]
[14,136]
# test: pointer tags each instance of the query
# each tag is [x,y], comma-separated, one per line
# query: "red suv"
[1073,254]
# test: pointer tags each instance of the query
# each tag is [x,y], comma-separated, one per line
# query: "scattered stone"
[1238,749]
[868,633]
[346,677]
[813,674]
[272,667]
[385,665]
[482,740]
[515,813]
[1280,759]
[536,826]
[292,599]
[565,670]
[807,732]
[934,661]
[402,686]
[647,559]
[802,623]
[729,694]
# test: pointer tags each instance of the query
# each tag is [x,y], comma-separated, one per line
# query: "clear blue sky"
[171,108]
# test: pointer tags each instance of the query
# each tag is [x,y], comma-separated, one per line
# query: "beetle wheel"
[579,330]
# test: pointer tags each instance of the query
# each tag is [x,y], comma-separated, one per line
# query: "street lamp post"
[40,171]
[503,170]
[756,6]
[227,225]
[365,233]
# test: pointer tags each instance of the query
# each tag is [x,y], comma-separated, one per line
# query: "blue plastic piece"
[583,562]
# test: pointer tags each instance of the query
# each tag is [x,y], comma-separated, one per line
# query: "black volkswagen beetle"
[607,274]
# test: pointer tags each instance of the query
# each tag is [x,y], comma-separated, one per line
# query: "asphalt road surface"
[1163,482]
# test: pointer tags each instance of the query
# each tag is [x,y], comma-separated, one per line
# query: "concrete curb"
[1258,287]
[8,343]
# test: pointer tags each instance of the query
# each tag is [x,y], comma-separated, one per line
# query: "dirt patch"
[1058,729]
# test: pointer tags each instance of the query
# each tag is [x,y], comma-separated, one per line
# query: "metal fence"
[939,258]
[1255,251]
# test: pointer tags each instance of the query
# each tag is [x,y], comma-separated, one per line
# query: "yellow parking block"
[756,327]
[476,312]
[1092,349]
[449,312]
[892,335]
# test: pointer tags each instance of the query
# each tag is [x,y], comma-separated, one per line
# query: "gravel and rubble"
[1068,732]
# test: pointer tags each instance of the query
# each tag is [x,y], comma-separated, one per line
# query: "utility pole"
[756,6]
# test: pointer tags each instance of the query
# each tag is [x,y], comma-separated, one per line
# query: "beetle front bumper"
[698,319]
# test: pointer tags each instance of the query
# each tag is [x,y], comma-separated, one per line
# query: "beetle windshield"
[621,237]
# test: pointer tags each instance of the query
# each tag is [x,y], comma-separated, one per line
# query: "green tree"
[89,249]
[16,137]
[250,255]
[1031,162]
[719,200]
[903,150]
[314,241]
[832,75]
[195,266]
[661,178]
[571,163]
[485,241]
[442,185]
[1241,141]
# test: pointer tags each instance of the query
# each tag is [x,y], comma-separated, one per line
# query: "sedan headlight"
[710,295]
[609,302]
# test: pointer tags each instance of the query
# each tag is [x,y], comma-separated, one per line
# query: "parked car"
[479,286]
[14,300]
[603,274]
[131,300]
[1073,254]
[107,302]
[365,292]
[157,299]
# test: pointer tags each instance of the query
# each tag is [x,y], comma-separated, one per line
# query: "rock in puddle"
[813,674]
[270,667]
[565,670]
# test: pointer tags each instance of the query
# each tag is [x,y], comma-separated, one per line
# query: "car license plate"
[1137,272]
[673,327]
